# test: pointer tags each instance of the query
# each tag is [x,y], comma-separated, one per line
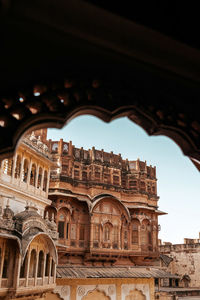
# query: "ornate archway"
[77,66]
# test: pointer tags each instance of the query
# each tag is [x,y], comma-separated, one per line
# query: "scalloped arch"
[55,107]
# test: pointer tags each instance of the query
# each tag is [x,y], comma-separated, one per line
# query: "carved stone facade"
[105,207]
[28,255]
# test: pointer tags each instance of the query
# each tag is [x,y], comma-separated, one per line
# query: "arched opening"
[47,266]
[23,268]
[64,226]
[33,175]
[40,264]
[52,268]
[25,170]
[18,167]
[32,267]
[146,235]
[7,258]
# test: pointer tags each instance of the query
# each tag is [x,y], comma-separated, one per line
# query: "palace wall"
[186,261]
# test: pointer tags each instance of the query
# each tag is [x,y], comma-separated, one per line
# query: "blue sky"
[178,179]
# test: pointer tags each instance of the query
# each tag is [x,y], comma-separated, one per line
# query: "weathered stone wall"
[186,261]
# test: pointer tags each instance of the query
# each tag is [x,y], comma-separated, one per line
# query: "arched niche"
[115,202]
[135,295]
[97,295]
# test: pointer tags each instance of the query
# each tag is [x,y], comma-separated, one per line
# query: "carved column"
[37,174]
[14,166]
[119,236]
[36,268]
[42,180]
[22,167]
[17,271]
[54,273]
[29,172]
[43,271]
[91,234]
[2,260]
[48,180]
[27,267]
[50,266]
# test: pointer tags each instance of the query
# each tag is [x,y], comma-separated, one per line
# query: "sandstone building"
[88,216]
[28,255]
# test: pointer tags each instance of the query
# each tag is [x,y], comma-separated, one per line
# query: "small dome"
[30,211]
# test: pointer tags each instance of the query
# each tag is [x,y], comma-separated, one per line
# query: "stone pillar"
[54,273]
[27,267]
[119,236]
[42,180]
[60,146]
[37,174]
[36,269]
[111,176]
[29,172]
[91,234]
[17,271]
[22,167]
[48,180]
[2,261]
[43,271]
[50,266]
[14,166]
[70,148]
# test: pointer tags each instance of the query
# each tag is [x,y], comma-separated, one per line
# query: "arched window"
[39,178]
[25,171]
[47,264]
[45,181]
[135,232]
[32,266]
[146,234]
[33,175]
[18,166]
[61,226]
[40,264]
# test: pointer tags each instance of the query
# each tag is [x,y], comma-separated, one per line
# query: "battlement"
[67,149]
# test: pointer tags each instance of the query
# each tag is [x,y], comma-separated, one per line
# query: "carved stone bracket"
[63,291]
